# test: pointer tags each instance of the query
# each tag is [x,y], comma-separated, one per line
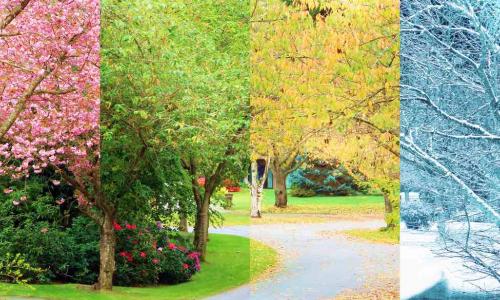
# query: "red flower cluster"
[118,227]
[127,255]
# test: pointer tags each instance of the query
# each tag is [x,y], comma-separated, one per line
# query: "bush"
[53,238]
[147,256]
[326,178]
[301,192]
[416,214]
[48,232]
[15,269]
[177,264]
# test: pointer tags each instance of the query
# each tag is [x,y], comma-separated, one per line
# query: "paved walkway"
[317,263]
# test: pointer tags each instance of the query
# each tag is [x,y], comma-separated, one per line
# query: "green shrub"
[69,255]
[15,269]
[177,265]
[302,192]
[48,232]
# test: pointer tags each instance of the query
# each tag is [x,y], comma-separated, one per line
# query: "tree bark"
[389,209]
[201,228]
[107,246]
[256,200]
[183,223]
[254,192]
[280,195]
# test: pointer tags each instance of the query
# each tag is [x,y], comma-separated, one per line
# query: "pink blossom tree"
[49,102]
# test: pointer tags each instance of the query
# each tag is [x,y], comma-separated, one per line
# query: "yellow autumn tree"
[367,86]
[325,85]
[290,89]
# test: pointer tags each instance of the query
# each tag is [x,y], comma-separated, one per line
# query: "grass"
[345,206]
[231,261]
[376,236]
[262,259]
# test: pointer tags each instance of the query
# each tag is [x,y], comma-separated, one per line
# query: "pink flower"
[172,246]
[160,249]
[156,261]
[60,201]
[8,191]
[56,182]
[143,254]
[185,266]
[16,203]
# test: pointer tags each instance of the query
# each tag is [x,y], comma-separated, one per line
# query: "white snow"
[422,269]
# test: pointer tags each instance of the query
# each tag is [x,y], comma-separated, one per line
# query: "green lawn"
[362,205]
[230,263]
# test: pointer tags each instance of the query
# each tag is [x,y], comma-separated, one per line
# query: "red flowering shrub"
[147,256]
[231,186]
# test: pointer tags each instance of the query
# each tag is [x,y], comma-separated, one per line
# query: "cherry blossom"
[49,87]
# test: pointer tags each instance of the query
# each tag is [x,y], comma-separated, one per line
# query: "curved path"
[316,262]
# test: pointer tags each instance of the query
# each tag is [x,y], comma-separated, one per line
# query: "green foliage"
[15,269]
[171,90]
[140,169]
[50,235]
[300,192]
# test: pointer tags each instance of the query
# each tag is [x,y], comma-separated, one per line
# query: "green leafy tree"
[175,77]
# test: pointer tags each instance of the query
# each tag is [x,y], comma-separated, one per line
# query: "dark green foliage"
[325,178]
[56,238]
[49,236]
[176,267]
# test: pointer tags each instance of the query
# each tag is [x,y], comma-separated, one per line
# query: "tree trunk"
[256,199]
[280,195]
[107,245]
[389,209]
[254,191]
[183,223]
[201,228]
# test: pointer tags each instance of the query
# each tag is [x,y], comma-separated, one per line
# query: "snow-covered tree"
[450,120]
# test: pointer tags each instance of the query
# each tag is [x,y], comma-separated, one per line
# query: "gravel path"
[316,262]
